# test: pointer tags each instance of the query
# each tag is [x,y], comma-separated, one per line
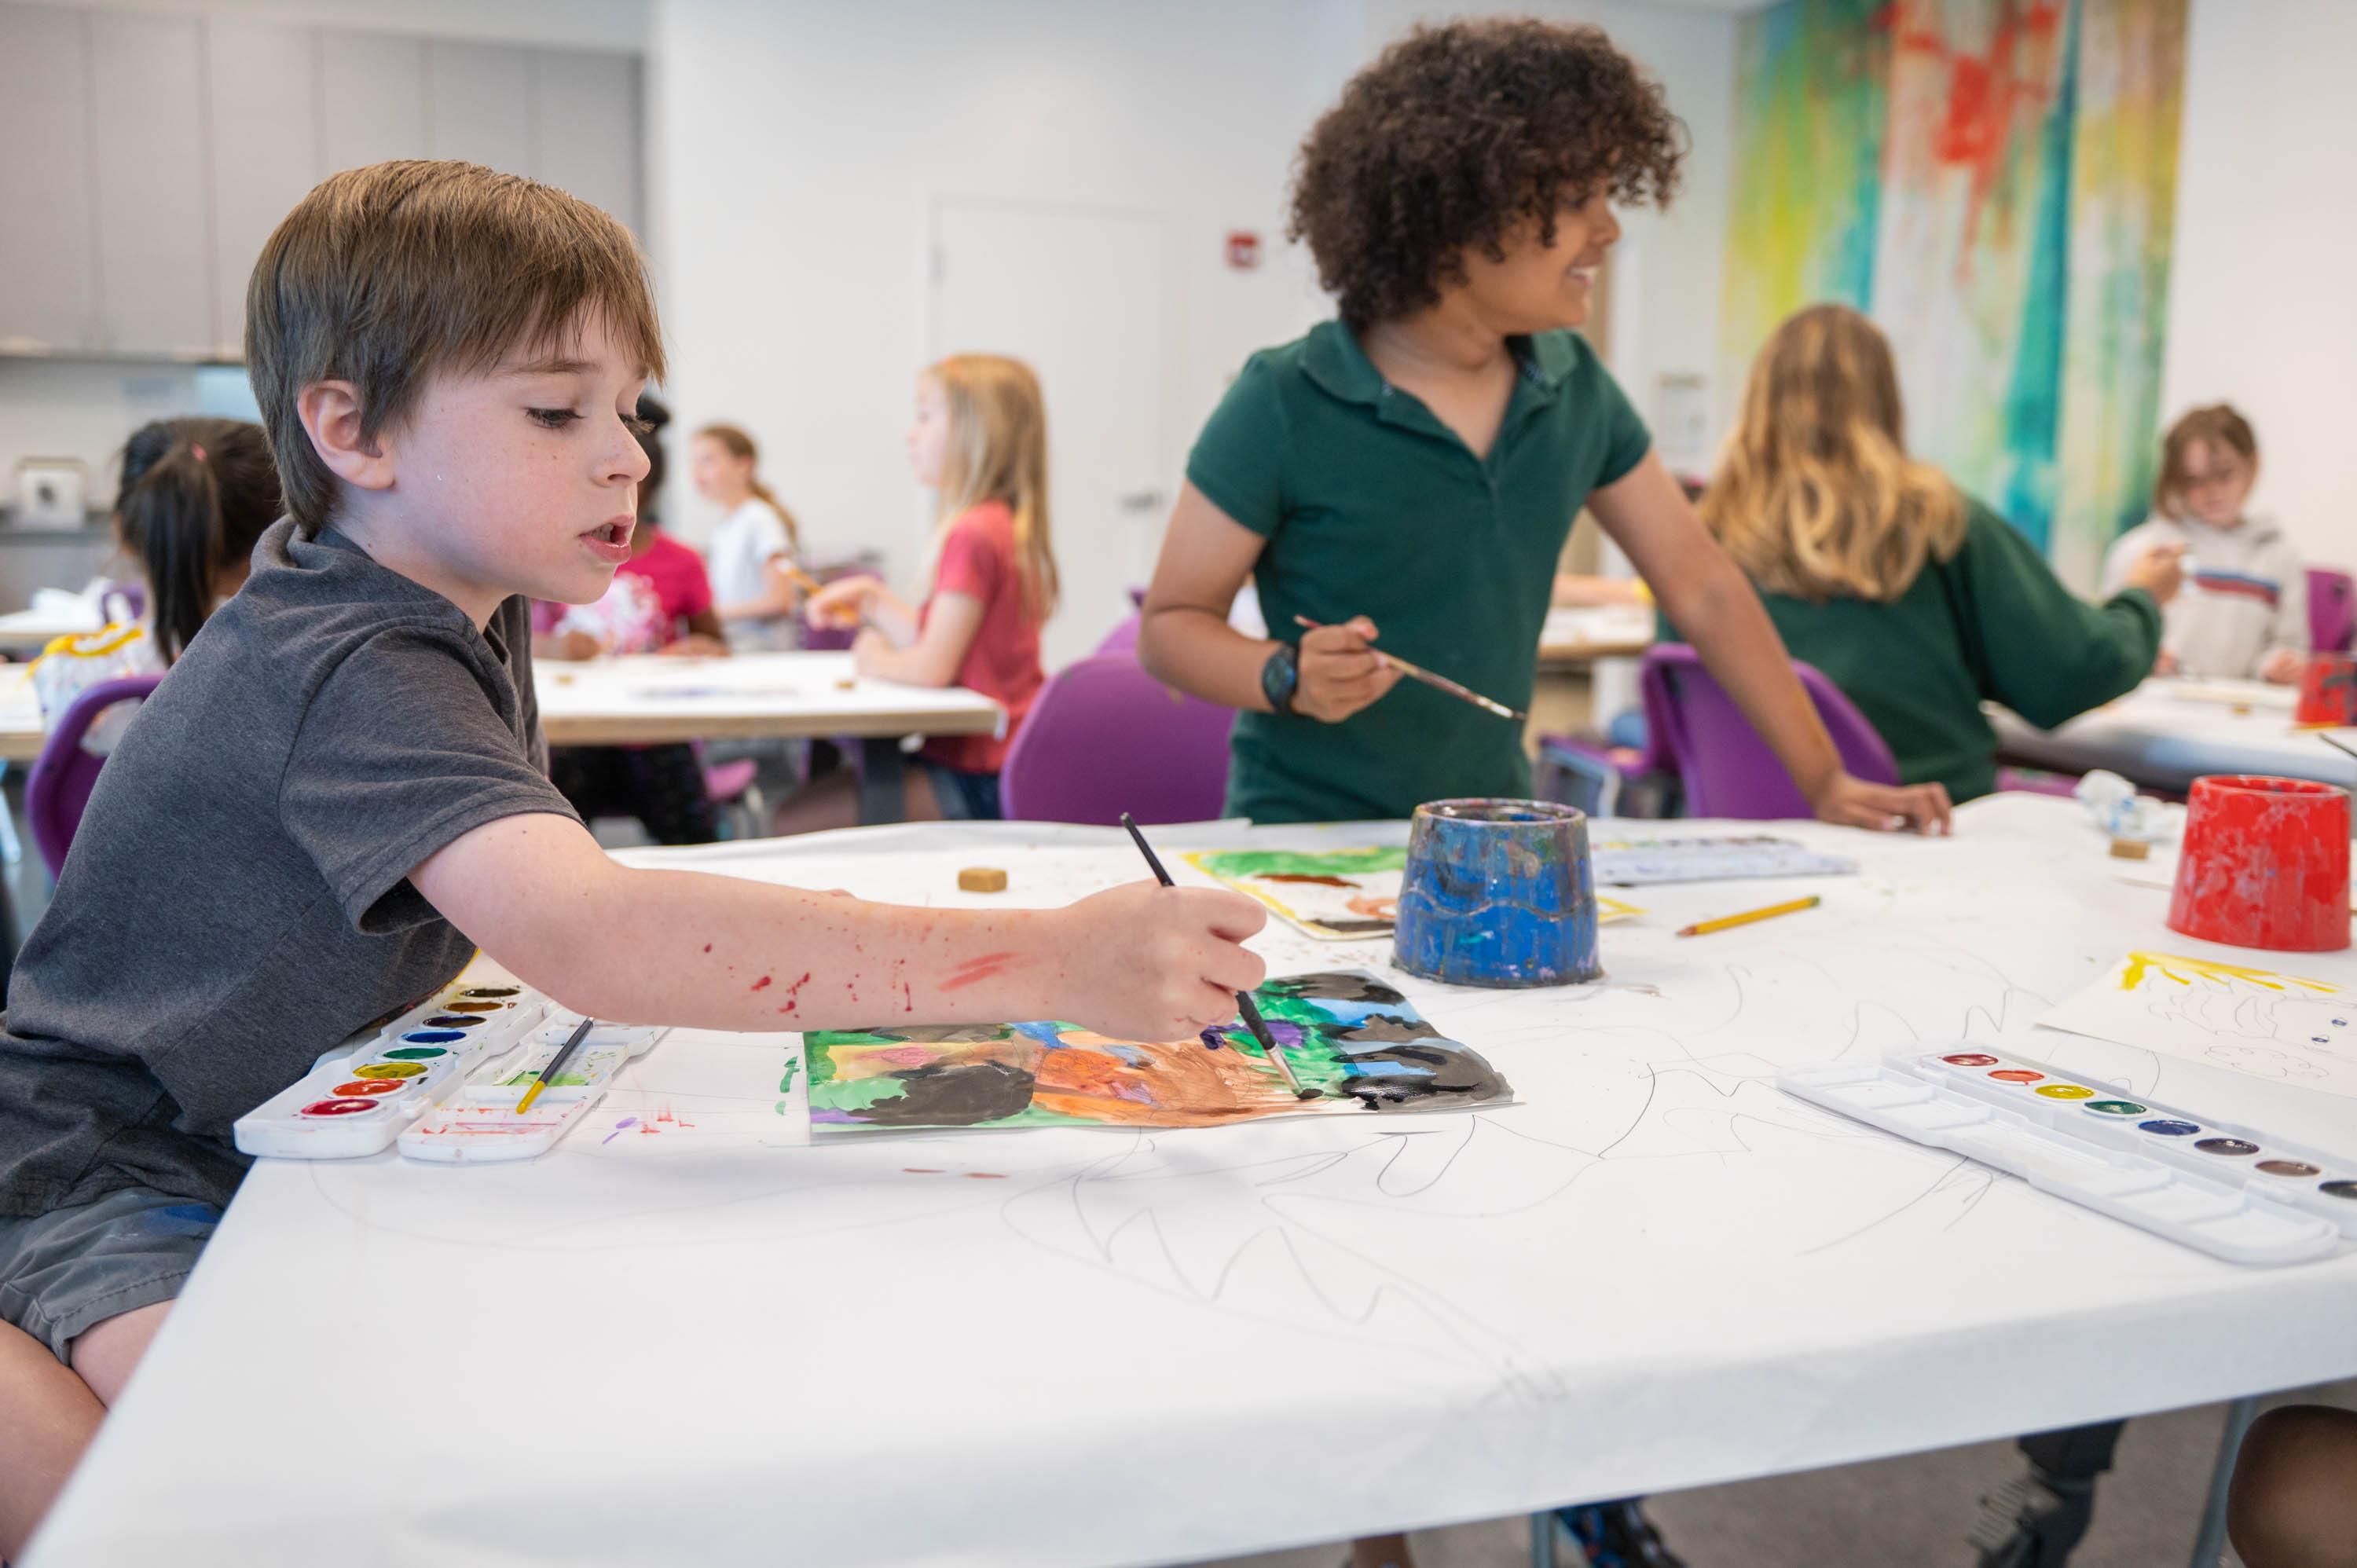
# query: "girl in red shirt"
[980,442]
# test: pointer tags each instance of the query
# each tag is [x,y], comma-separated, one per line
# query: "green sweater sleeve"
[2034,645]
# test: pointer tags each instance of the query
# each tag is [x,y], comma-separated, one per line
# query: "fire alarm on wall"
[1244,250]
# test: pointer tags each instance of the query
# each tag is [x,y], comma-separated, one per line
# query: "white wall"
[795,144]
[2262,313]
[795,147]
[559,24]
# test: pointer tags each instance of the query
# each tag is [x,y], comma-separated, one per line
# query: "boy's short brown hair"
[384,274]
[1459,133]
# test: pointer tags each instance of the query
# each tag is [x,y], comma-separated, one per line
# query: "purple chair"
[1105,737]
[1726,768]
[1122,639]
[63,776]
[2332,610]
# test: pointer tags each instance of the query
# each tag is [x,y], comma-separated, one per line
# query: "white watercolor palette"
[355,1103]
[2231,1192]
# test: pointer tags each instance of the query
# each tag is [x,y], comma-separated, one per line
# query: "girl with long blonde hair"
[1917,600]
[980,443]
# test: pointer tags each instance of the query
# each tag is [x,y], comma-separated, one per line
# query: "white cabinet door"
[261,83]
[147,119]
[479,105]
[48,249]
[586,128]
[371,100]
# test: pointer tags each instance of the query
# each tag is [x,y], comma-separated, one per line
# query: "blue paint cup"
[1498,893]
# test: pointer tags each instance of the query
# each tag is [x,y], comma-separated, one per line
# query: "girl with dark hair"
[194,497]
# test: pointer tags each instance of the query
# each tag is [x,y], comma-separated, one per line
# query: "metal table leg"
[881,796]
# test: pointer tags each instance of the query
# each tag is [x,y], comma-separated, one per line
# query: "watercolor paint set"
[2230,1191]
[481,1124]
[355,1103]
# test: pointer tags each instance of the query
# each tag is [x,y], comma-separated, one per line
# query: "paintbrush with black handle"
[1244,1006]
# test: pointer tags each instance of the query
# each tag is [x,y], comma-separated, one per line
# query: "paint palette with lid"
[356,1103]
[2229,1191]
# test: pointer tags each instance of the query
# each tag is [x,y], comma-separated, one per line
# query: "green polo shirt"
[1372,506]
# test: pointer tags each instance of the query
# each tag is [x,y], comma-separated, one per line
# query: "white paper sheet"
[2280,1028]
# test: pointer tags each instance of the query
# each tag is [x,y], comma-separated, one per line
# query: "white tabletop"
[2166,733]
[29,631]
[648,698]
[22,730]
[1067,1346]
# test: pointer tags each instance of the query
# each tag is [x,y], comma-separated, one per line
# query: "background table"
[2165,733]
[1581,636]
[647,699]
[24,633]
[1079,1346]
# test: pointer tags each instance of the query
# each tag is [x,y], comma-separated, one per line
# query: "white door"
[1077,294]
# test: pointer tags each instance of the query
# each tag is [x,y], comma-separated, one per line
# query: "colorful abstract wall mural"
[1991,180]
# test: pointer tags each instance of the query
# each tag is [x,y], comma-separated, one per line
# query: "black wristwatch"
[1279,676]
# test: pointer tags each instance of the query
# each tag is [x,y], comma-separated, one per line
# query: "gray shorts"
[64,1272]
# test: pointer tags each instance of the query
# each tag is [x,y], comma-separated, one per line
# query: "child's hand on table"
[1339,673]
[1149,963]
[2283,667]
[1853,803]
[696,645]
[839,605]
[2164,663]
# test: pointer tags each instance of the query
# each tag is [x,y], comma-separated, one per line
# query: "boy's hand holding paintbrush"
[1341,672]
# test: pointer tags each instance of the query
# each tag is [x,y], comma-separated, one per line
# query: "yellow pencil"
[1704,927]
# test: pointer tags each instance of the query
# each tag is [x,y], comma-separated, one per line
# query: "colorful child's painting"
[1335,895]
[1346,1035]
[1993,181]
[2229,1016]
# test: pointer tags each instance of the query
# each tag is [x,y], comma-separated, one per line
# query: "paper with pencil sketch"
[1337,895]
[1349,1036]
[1716,857]
[2253,1021]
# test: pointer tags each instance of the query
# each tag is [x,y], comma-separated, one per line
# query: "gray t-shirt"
[237,898]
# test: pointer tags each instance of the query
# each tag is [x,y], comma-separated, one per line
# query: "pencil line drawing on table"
[1470,1314]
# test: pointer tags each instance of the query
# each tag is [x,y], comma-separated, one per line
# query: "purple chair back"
[1726,769]
[2332,610]
[64,774]
[1105,737]
[832,639]
[1122,639]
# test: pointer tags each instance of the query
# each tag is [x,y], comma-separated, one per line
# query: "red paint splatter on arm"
[762,983]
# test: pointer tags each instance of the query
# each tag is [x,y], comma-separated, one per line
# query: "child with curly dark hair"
[1409,471]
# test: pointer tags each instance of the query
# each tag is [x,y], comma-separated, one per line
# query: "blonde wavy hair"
[1815,496]
[997,451]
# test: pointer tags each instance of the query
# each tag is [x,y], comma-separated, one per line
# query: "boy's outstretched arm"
[687,947]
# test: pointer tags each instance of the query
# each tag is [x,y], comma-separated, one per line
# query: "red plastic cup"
[2328,690]
[2265,864]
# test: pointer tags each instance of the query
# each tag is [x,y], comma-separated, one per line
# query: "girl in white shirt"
[755,581]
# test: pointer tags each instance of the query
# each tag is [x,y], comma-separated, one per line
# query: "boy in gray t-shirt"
[339,790]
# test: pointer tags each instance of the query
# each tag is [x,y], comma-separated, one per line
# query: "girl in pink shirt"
[980,442]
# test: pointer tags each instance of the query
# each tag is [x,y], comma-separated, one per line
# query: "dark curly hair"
[1459,133]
